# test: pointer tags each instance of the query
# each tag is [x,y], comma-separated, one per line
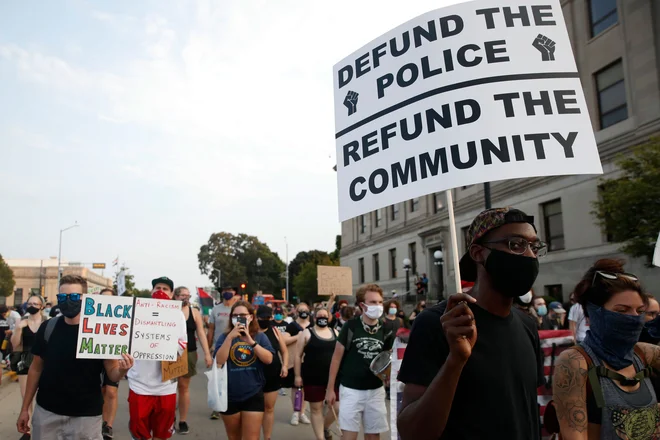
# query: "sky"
[154,124]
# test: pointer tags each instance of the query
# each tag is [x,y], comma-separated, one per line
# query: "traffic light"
[243,286]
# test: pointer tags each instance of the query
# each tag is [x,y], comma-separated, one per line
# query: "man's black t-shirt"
[293,328]
[496,394]
[68,386]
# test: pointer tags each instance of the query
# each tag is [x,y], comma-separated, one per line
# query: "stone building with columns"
[617,49]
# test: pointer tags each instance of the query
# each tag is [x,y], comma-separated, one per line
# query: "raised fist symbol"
[546,46]
[351,101]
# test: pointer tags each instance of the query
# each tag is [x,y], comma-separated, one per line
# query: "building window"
[376,267]
[554,291]
[363,224]
[395,211]
[554,225]
[466,240]
[378,215]
[392,263]
[603,14]
[18,297]
[412,251]
[612,104]
[361,270]
[3,300]
[438,202]
[414,204]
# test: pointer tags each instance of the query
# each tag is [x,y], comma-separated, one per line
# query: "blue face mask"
[612,336]
[653,327]
[542,311]
[278,316]
[227,296]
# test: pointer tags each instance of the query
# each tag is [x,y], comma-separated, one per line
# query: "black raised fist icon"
[546,46]
[351,101]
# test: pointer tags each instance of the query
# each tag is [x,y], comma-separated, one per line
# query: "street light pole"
[59,256]
[286,293]
[439,262]
[406,267]
[259,263]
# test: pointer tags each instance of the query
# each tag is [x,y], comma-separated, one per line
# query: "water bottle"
[297,403]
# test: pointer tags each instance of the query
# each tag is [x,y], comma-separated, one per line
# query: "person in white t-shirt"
[152,402]
[578,323]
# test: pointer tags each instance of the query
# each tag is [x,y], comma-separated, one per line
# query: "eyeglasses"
[613,276]
[519,245]
[61,297]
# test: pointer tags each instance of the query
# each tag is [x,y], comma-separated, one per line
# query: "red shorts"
[151,416]
[316,393]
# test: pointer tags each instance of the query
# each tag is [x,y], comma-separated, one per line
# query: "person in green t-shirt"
[361,393]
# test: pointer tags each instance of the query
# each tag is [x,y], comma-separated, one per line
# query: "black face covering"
[264,323]
[512,275]
[303,315]
[70,308]
[32,310]
[322,322]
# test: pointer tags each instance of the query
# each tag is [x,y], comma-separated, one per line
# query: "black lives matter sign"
[480,91]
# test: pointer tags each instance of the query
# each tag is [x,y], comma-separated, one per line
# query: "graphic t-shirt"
[364,347]
[245,372]
[499,379]
[281,326]
[220,319]
[4,326]
[67,386]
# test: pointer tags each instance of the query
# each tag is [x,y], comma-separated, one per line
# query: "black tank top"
[318,354]
[273,369]
[190,329]
[28,338]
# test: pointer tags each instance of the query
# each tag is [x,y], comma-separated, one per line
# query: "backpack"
[50,326]
[550,420]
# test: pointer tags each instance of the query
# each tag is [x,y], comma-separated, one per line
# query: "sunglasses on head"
[613,276]
[61,297]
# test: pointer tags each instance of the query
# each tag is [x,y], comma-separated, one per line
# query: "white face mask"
[526,298]
[374,312]
[234,321]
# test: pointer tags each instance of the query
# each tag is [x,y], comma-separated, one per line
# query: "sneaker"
[327,434]
[295,419]
[214,415]
[304,419]
[106,431]
[282,392]
[183,428]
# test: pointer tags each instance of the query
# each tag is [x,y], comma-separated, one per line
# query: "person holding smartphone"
[246,351]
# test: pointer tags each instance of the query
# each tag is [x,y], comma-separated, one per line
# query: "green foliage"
[142,293]
[129,282]
[336,253]
[296,265]
[629,208]
[305,282]
[236,256]
[7,282]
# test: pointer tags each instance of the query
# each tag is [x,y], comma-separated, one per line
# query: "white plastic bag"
[217,387]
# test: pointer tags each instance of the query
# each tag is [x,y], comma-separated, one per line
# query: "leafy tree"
[236,256]
[336,253]
[629,208]
[142,293]
[306,281]
[129,283]
[7,282]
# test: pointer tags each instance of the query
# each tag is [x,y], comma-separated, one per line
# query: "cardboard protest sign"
[178,368]
[105,327]
[156,329]
[479,91]
[334,279]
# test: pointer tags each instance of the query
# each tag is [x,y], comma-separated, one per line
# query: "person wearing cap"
[219,320]
[276,370]
[476,349]
[554,320]
[152,402]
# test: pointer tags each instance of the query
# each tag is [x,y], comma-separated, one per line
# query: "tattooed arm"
[651,354]
[569,392]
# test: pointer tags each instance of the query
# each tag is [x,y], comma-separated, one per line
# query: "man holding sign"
[69,401]
[152,402]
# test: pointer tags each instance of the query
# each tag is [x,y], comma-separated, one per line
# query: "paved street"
[201,426]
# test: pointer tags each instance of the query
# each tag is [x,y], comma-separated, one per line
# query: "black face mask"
[322,322]
[303,315]
[264,323]
[70,308]
[32,310]
[511,275]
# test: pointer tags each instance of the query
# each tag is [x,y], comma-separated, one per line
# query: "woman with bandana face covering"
[317,344]
[276,370]
[246,352]
[601,388]
[651,330]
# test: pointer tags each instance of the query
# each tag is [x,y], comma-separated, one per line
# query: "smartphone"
[243,321]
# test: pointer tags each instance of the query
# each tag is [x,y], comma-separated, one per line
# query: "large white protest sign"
[156,329]
[105,327]
[480,91]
